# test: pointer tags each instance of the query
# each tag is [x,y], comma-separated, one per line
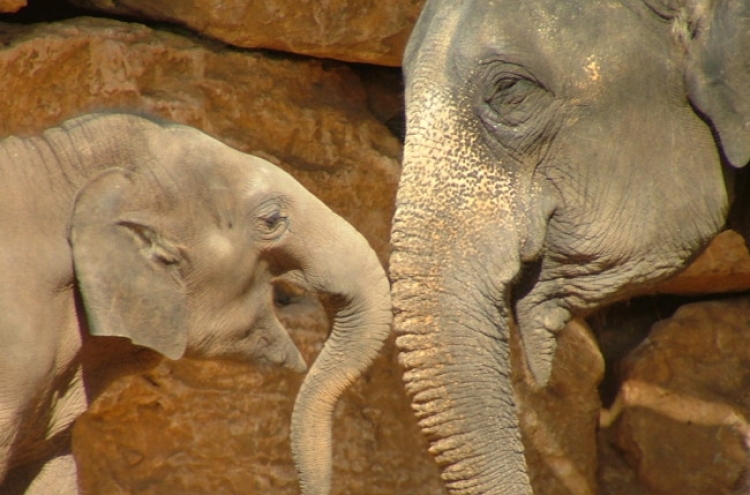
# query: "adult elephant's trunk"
[457,242]
[336,260]
[452,321]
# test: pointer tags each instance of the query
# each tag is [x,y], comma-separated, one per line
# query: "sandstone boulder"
[190,427]
[681,416]
[723,267]
[369,31]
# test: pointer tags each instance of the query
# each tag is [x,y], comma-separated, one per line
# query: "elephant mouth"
[292,361]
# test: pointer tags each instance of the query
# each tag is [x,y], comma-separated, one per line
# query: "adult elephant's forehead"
[457,35]
[453,35]
[551,38]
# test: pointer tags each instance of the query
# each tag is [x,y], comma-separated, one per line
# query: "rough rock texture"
[196,428]
[370,31]
[221,428]
[723,267]
[681,417]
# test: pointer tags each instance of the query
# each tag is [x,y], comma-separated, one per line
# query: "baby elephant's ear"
[127,272]
[718,75]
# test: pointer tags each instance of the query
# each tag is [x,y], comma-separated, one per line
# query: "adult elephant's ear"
[127,272]
[718,74]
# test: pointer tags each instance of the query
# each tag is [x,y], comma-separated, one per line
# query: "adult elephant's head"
[558,155]
[177,246]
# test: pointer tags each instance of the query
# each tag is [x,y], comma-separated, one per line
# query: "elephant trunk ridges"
[349,268]
[455,252]
[455,350]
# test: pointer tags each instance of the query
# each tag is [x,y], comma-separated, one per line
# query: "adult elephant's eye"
[511,101]
[518,112]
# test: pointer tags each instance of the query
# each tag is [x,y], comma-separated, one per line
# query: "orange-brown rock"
[9,6]
[369,31]
[723,267]
[190,427]
[681,416]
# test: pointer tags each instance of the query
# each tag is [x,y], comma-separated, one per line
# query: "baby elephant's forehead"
[219,173]
[256,181]
[252,175]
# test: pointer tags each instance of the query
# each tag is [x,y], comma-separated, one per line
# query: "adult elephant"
[558,156]
[117,230]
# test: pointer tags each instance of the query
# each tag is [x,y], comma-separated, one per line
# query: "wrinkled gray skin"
[117,229]
[559,155]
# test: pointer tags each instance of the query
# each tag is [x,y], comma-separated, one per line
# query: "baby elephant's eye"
[272,219]
[272,222]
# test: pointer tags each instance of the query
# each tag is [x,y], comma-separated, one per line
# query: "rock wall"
[676,412]
[370,31]
[681,418]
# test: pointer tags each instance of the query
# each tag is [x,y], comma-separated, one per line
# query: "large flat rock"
[370,31]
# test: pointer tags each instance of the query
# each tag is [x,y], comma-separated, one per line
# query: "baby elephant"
[157,235]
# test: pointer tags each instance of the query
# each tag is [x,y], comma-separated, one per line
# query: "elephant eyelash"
[518,112]
[511,99]
[272,221]
[505,83]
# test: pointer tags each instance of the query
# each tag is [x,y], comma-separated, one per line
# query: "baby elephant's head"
[177,245]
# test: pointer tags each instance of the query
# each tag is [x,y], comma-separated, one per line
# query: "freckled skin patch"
[592,68]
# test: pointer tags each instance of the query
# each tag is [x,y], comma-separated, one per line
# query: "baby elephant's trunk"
[344,265]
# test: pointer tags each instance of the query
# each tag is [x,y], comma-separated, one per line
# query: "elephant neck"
[84,147]
[59,161]
[40,177]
